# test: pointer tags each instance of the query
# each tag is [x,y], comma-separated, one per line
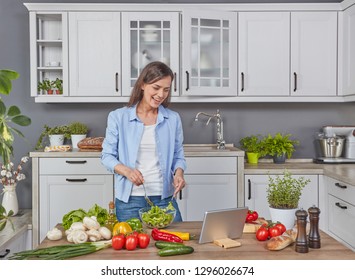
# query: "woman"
[143,145]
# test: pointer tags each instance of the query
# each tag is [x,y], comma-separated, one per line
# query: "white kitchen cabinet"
[49,50]
[341,211]
[264,53]
[256,196]
[209,54]
[346,51]
[21,242]
[149,37]
[66,184]
[211,184]
[95,54]
[313,53]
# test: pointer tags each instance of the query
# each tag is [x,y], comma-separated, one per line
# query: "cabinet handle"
[242,89]
[76,161]
[116,81]
[249,189]
[341,206]
[76,180]
[295,80]
[175,83]
[180,194]
[340,186]
[3,255]
[187,80]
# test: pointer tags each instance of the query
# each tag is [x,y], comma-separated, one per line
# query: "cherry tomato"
[262,234]
[131,242]
[255,215]
[281,227]
[118,241]
[274,231]
[143,240]
[251,216]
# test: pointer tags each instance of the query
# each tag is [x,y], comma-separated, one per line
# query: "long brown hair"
[151,73]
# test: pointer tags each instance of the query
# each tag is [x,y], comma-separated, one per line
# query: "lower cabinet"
[255,187]
[341,211]
[211,184]
[66,184]
[20,243]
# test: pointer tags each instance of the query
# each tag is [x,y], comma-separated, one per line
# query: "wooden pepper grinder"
[301,239]
[313,236]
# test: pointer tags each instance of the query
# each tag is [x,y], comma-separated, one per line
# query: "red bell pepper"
[164,236]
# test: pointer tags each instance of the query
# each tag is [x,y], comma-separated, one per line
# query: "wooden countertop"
[251,249]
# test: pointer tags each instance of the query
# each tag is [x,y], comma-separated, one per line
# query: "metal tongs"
[146,197]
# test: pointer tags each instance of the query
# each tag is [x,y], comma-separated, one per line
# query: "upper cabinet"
[271,43]
[209,58]
[264,53]
[314,53]
[95,54]
[49,51]
[149,37]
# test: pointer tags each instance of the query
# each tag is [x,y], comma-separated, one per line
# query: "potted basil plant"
[253,146]
[56,135]
[279,146]
[78,131]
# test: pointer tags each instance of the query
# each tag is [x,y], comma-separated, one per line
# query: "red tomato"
[255,215]
[274,231]
[251,216]
[143,240]
[281,227]
[262,234]
[118,241]
[131,242]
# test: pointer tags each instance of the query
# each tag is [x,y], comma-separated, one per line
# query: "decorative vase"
[75,139]
[253,158]
[279,159]
[56,139]
[284,216]
[9,200]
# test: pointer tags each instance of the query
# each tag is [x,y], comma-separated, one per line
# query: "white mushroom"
[77,225]
[79,236]
[54,234]
[94,235]
[105,233]
[90,223]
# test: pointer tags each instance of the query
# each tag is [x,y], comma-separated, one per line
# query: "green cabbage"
[100,213]
[73,216]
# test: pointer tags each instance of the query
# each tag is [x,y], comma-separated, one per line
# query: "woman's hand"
[134,175]
[179,181]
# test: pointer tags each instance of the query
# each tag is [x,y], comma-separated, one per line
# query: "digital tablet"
[225,223]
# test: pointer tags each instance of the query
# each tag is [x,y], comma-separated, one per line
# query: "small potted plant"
[283,195]
[56,135]
[78,132]
[45,85]
[253,146]
[58,84]
[279,146]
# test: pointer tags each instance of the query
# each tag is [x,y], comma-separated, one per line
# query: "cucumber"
[166,244]
[181,250]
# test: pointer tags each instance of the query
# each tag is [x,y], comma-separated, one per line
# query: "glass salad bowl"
[157,217]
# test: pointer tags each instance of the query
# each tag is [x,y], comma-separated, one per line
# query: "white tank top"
[148,164]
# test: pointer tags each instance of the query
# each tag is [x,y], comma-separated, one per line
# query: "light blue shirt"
[123,136]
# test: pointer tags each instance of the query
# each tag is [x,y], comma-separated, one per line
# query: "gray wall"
[240,119]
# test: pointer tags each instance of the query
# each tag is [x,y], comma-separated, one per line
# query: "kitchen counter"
[22,222]
[251,249]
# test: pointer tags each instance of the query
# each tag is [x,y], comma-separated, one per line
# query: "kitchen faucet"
[221,144]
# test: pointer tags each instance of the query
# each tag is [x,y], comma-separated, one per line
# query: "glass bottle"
[112,219]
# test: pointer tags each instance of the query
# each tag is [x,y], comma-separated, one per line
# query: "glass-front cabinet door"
[148,37]
[209,54]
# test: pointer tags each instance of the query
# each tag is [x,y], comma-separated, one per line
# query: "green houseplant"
[45,85]
[78,132]
[58,84]
[253,146]
[279,146]
[62,131]
[283,196]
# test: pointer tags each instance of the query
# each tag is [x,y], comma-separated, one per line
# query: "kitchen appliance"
[337,144]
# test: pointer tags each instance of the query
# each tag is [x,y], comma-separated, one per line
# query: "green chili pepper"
[135,223]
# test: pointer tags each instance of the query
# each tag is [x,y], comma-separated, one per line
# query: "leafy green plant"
[8,116]
[58,84]
[252,144]
[45,85]
[285,192]
[78,128]
[59,129]
[279,144]
[5,217]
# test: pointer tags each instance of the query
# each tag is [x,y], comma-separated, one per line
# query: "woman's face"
[154,94]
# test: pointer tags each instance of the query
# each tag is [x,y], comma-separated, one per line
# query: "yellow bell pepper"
[183,235]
